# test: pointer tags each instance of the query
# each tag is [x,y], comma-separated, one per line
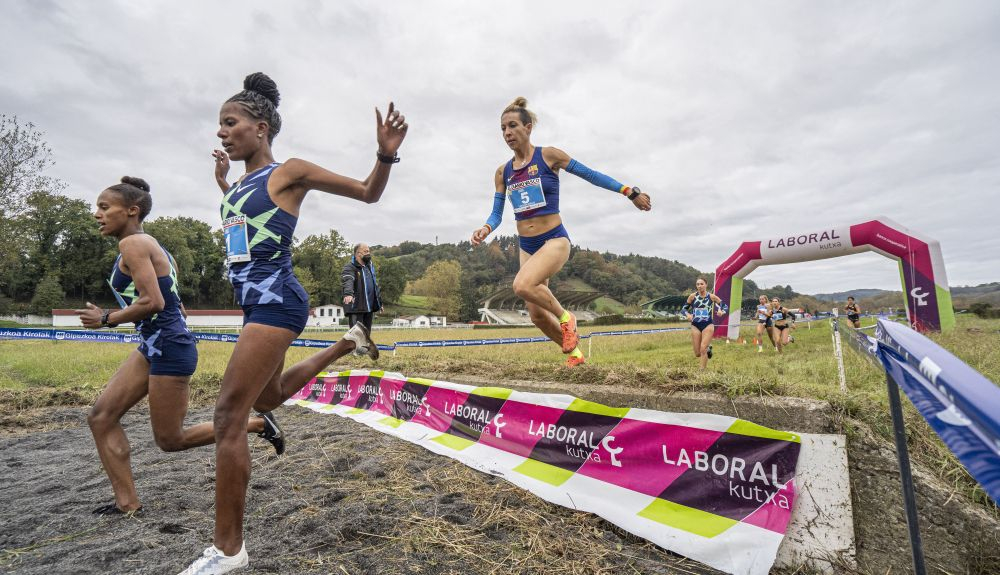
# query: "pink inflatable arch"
[921,268]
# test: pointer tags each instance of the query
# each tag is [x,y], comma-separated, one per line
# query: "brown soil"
[347,499]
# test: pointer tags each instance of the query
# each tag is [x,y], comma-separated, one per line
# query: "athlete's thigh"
[545,263]
[126,387]
[168,402]
[258,353]
[706,335]
[695,338]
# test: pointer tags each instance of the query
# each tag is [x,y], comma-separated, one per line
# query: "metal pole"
[909,497]
[839,354]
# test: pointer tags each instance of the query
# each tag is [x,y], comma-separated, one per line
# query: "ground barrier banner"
[713,488]
[959,403]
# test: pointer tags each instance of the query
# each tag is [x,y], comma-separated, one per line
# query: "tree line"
[52,254]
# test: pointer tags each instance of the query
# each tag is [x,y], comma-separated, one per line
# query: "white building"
[412,321]
[326,315]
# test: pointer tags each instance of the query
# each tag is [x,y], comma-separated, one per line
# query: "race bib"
[778,316]
[237,247]
[702,314]
[526,195]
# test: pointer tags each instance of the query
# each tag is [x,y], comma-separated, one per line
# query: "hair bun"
[262,84]
[137,182]
[520,102]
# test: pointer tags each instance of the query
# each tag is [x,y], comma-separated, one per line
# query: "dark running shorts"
[171,357]
[291,314]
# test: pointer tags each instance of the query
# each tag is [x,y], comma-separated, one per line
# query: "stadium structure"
[504,307]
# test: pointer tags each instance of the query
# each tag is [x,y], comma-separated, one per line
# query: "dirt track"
[343,499]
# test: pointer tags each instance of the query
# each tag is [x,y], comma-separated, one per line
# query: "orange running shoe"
[575,361]
[570,337]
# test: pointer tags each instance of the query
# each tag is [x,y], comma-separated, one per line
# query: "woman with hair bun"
[530,181]
[259,213]
[144,281]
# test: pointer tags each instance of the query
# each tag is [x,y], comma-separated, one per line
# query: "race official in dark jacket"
[361,293]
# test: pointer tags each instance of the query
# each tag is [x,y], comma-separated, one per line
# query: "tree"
[24,156]
[48,295]
[199,254]
[59,234]
[391,279]
[324,256]
[441,283]
[308,282]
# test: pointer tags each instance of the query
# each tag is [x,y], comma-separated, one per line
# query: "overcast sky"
[743,120]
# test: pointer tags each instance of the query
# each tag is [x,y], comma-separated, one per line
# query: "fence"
[959,403]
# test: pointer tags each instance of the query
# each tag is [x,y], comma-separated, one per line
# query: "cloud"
[741,121]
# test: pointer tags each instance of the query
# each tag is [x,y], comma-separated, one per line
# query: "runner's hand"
[643,202]
[479,235]
[390,133]
[221,168]
[348,299]
[90,317]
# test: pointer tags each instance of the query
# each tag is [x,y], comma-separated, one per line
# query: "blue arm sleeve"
[496,216]
[595,177]
[722,306]
[686,309]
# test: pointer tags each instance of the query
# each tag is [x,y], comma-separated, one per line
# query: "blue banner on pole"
[959,403]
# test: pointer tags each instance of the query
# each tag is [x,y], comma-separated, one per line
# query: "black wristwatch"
[104,319]
[387,159]
[634,193]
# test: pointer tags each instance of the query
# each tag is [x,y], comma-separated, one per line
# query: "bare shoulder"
[136,243]
[555,157]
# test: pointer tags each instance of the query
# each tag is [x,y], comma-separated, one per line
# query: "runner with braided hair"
[259,213]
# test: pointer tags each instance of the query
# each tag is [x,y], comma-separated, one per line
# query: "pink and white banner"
[713,488]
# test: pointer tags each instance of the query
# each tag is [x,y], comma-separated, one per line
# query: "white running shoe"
[363,344]
[214,562]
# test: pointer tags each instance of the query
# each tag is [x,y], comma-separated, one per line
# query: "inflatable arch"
[921,268]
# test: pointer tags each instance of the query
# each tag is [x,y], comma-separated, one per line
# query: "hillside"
[961,296]
[627,279]
[858,294]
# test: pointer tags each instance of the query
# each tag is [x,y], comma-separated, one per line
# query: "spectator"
[361,293]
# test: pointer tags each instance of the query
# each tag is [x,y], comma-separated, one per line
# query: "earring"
[259,135]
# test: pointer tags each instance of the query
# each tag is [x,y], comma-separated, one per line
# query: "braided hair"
[135,192]
[260,99]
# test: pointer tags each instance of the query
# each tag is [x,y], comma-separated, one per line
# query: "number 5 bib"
[526,195]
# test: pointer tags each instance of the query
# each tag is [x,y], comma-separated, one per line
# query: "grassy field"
[42,373]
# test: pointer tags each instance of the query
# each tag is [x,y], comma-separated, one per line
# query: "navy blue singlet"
[532,190]
[258,242]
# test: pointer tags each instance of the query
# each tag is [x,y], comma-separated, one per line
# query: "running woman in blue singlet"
[698,310]
[781,316]
[530,181]
[764,323]
[259,212]
[144,281]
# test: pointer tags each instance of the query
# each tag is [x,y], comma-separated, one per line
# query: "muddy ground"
[347,499]
[343,499]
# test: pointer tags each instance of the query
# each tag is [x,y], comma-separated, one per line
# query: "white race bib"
[234,229]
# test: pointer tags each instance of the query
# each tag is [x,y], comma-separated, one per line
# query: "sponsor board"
[713,488]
